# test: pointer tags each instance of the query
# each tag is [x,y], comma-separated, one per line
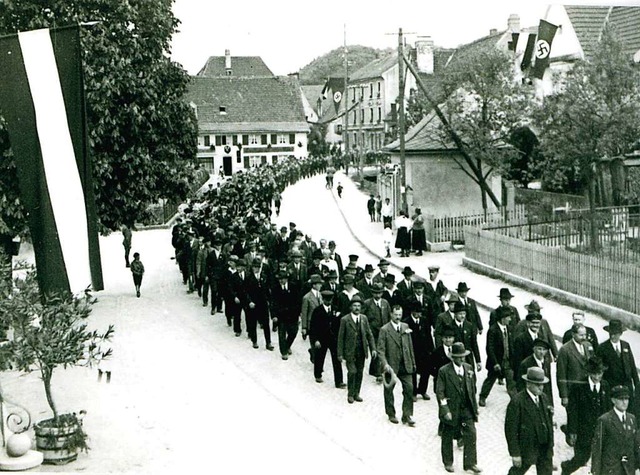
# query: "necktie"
[398,328]
[618,350]
[447,350]
[624,420]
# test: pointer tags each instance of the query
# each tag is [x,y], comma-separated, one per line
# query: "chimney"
[424,55]
[493,31]
[513,23]
[227,59]
[295,76]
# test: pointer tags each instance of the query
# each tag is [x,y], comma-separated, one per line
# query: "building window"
[223,110]
[371,115]
[378,89]
[218,140]
[362,116]
[283,139]
[379,114]
[207,140]
[245,140]
[370,90]
[354,117]
[292,138]
[253,140]
[264,139]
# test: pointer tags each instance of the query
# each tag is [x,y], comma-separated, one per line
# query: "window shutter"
[292,138]
[263,159]
[246,161]
[218,140]
[274,139]
[263,139]
[245,140]
[207,140]
[235,139]
[224,140]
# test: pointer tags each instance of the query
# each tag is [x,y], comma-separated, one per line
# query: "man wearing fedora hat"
[378,312]
[257,310]
[441,356]
[383,271]
[344,296]
[458,408]
[285,312]
[523,342]
[499,354]
[473,316]
[617,356]
[528,426]
[614,450]
[355,340]
[571,367]
[466,333]
[310,301]
[422,347]
[544,331]
[364,283]
[405,287]
[505,301]
[588,402]
[323,334]
[446,318]
[578,317]
[395,352]
[540,358]
[390,293]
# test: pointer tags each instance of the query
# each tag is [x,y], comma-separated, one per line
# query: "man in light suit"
[355,340]
[458,408]
[310,301]
[378,312]
[395,351]
[571,366]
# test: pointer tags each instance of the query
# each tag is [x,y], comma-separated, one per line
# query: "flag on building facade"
[335,87]
[42,102]
[542,50]
[528,52]
[513,44]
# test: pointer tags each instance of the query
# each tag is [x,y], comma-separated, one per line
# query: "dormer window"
[229,72]
[223,110]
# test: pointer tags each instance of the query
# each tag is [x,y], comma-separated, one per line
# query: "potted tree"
[50,331]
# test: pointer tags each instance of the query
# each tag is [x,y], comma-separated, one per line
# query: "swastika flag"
[542,48]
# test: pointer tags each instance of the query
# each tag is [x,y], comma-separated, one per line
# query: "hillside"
[332,63]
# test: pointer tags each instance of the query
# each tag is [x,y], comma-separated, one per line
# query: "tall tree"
[142,134]
[594,114]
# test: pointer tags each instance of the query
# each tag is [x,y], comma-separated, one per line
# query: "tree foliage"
[332,63]
[142,134]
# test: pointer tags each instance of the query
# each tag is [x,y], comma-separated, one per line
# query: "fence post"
[428,227]
[529,232]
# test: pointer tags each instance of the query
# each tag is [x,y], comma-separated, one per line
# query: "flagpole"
[345,99]
[401,80]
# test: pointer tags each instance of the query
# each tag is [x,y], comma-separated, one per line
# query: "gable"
[241,66]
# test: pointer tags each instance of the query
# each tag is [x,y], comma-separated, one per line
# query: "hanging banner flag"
[513,44]
[542,50]
[528,52]
[42,101]
[336,87]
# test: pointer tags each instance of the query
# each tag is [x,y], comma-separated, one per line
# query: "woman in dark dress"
[403,238]
[418,234]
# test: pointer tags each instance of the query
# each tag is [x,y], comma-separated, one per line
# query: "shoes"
[341,386]
[415,398]
[138,293]
[318,380]
[358,399]
[238,333]
[501,382]
[482,402]
[448,468]
[408,421]
[204,304]
[426,397]
[285,357]
[270,347]
[419,253]
[350,400]
[460,442]
[310,355]
[255,345]
[213,312]
[379,379]
[289,352]
[474,469]
[393,419]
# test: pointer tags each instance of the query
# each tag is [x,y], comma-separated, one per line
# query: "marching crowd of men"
[412,330]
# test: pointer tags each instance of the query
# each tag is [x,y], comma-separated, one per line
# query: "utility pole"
[400,125]
[345,100]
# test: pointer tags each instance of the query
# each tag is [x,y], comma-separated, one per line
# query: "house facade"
[247,117]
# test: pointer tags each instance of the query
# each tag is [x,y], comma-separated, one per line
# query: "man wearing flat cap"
[323,334]
[614,450]
[528,426]
[617,356]
[355,340]
[588,402]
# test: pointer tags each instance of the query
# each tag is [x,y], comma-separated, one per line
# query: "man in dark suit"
[422,348]
[528,426]
[257,310]
[371,208]
[395,351]
[237,295]
[616,439]
[466,333]
[436,290]
[544,332]
[364,284]
[617,356]
[296,269]
[215,267]
[443,319]
[505,301]
[540,358]
[441,356]
[588,402]
[458,409]
[473,315]
[336,257]
[353,261]
[405,288]
[571,367]
[285,312]
[378,312]
[578,317]
[499,354]
[523,341]
[354,342]
[383,271]
[323,333]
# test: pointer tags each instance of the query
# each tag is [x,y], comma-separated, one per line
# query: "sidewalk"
[484,290]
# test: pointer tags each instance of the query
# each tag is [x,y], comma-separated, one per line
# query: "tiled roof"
[313,93]
[481,45]
[589,21]
[424,136]
[375,68]
[241,66]
[247,101]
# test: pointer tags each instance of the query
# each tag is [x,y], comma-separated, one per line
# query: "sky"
[289,34]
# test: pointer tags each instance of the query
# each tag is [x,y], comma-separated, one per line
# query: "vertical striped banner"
[42,100]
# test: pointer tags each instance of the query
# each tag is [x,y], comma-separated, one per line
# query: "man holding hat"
[505,301]
[309,303]
[473,316]
[528,426]
[588,402]
[378,312]
[323,334]
[615,442]
[395,351]
[458,408]
[355,340]
[617,356]
[499,354]
[540,358]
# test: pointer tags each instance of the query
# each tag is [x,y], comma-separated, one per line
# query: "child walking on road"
[137,270]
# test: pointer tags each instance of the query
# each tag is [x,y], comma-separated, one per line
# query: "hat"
[615,326]
[282,275]
[531,316]
[283,228]
[407,271]
[620,392]
[383,262]
[315,279]
[356,299]
[505,294]
[233,258]
[452,298]
[595,365]
[541,342]
[348,279]
[327,293]
[462,287]
[418,284]
[317,254]
[533,306]
[390,278]
[389,379]
[459,307]
[377,288]
[215,240]
[368,268]
[448,331]
[535,374]
[332,244]
[256,263]
[351,265]
[241,263]
[296,253]
[434,267]
[353,257]
[458,349]
[333,274]
[502,312]
[292,225]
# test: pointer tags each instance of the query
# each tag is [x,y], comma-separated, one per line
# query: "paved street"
[186,395]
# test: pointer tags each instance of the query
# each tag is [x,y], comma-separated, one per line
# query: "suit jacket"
[442,320]
[522,348]
[348,334]
[377,316]
[422,342]
[286,304]
[591,337]
[405,292]
[396,349]
[473,315]
[449,391]
[257,291]
[236,289]
[378,277]
[585,408]
[495,348]
[364,288]
[437,360]
[309,303]
[324,326]
[467,335]
[392,297]
[425,310]
[514,319]
[613,443]
[342,302]
[571,367]
[530,362]
[620,369]
[528,427]
[215,265]
[435,295]
[300,275]
[544,333]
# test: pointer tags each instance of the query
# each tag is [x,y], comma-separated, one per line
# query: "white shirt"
[593,385]
[617,347]
[459,370]
[620,414]
[356,318]
[396,326]
[579,347]
[538,362]
[533,397]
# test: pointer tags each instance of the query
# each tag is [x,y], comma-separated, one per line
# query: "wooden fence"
[451,228]
[600,279]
